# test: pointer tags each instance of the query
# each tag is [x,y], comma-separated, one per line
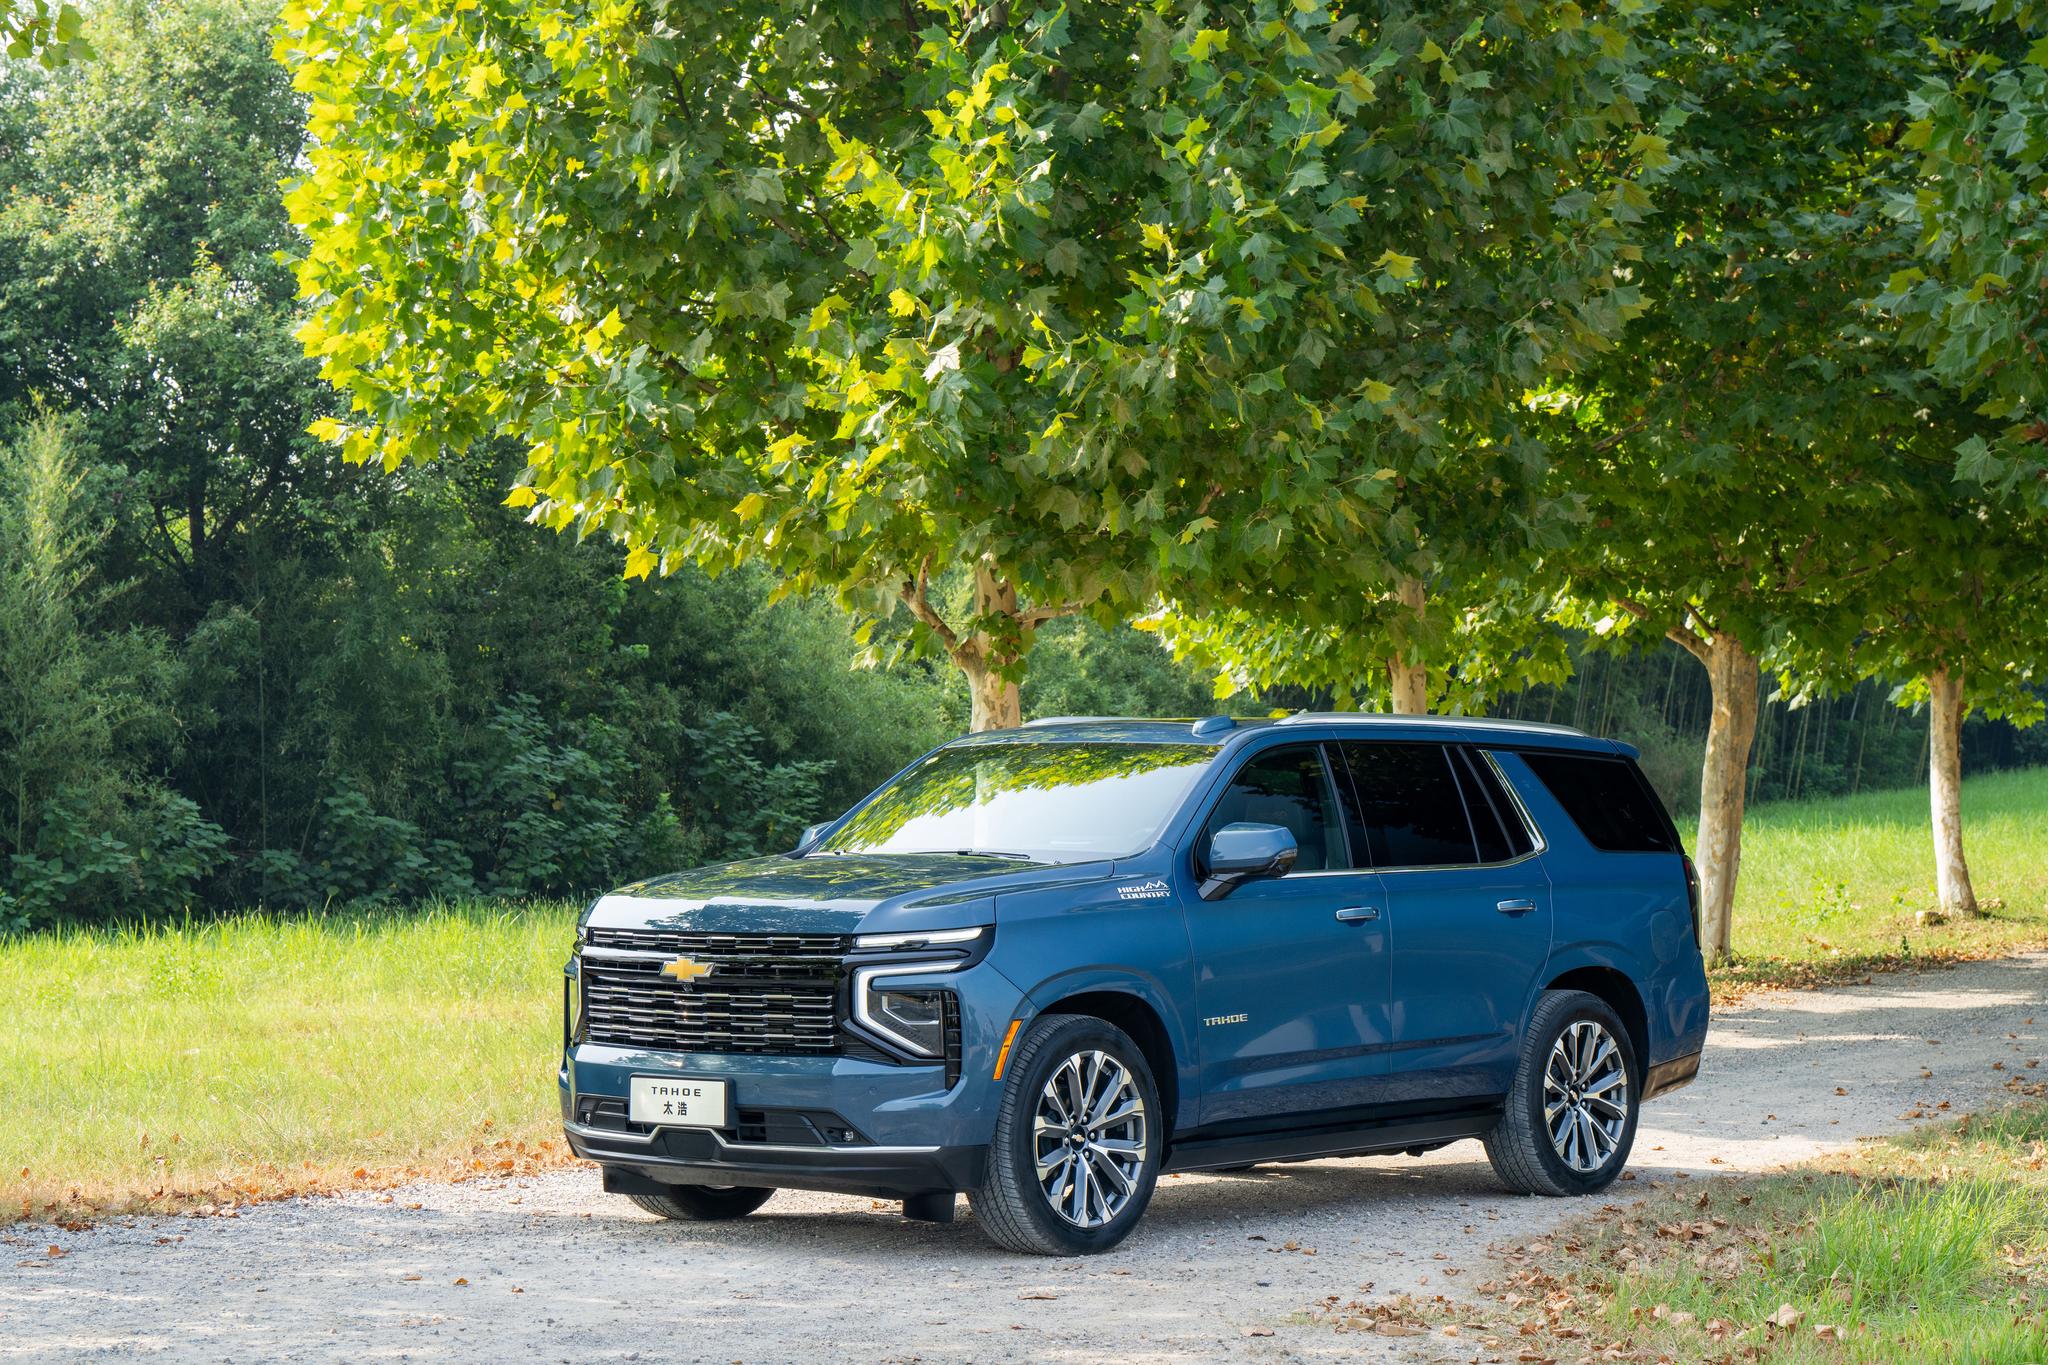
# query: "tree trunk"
[1732,676]
[995,701]
[1409,682]
[1945,791]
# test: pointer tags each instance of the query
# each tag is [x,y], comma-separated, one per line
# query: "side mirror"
[811,835]
[1240,852]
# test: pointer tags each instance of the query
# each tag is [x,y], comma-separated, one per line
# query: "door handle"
[1515,907]
[1353,914]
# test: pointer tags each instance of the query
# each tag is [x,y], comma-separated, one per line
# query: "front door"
[1291,972]
[1468,913]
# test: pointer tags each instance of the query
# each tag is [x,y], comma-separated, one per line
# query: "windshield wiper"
[992,853]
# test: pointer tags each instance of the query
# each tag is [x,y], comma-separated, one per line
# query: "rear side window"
[1409,805]
[1608,800]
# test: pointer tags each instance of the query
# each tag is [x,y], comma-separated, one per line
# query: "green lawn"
[1830,888]
[256,1055]
[241,1059]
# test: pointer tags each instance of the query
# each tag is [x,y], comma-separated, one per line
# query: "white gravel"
[557,1270]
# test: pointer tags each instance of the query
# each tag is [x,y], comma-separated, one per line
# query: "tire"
[704,1203]
[1576,1054]
[1064,1057]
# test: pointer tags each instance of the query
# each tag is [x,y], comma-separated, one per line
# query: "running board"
[1309,1144]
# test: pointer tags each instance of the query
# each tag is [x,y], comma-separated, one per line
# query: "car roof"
[1221,730]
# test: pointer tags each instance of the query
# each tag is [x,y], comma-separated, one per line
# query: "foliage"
[871,293]
[82,826]
[1740,455]
[1979,122]
[52,34]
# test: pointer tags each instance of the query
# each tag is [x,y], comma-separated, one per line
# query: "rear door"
[1291,972]
[1468,911]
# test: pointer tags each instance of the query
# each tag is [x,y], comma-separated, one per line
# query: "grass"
[211,1064]
[256,1056]
[1931,1247]
[1830,889]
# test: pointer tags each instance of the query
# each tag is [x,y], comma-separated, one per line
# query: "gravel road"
[551,1268]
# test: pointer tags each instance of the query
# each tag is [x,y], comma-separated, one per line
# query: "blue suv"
[1042,966]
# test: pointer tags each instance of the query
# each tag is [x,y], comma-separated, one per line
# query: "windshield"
[1048,802]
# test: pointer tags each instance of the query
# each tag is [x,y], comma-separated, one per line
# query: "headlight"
[915,1019]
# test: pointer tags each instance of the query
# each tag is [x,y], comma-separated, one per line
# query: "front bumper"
[678,1156]
[822,1123]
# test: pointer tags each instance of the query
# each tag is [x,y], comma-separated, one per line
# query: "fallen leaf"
[1786,1316]
[1258,1331]
[461,1281]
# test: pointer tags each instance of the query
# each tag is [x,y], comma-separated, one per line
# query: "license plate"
[672,1103]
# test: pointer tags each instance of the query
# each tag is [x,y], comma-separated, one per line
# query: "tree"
[140,290]
[868,294]
[1740,452]
[1485,283]
[1961,624]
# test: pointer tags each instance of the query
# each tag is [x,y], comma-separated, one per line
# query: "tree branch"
[916,595]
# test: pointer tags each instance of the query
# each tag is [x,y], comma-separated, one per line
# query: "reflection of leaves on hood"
[956,778]
[805,880]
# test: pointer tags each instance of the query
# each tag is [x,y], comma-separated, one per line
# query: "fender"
[1145,987]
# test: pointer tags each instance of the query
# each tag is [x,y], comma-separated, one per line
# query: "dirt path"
[556,1270]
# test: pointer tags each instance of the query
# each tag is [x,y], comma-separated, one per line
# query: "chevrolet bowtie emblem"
[686,969]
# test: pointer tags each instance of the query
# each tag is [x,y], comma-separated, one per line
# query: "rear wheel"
[1077,1141]
[1571,1116]
[704,1203]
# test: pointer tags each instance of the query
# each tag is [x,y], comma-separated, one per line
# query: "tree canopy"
[1082,301]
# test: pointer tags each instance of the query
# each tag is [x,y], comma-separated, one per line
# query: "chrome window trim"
[1539,843]
[1529,824]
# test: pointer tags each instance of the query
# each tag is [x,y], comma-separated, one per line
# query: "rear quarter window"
[1608,799]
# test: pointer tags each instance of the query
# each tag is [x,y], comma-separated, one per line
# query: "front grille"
[765,993]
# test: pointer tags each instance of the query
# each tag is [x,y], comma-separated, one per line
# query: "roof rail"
[1070,720]
[1388,718]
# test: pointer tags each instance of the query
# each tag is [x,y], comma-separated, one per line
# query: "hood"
[831,894]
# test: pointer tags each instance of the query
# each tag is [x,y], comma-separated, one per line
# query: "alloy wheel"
[1585,1096]
[1089,1136]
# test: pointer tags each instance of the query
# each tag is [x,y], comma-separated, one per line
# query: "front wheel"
[704,1203]
[1077,1141]
[1570,1118]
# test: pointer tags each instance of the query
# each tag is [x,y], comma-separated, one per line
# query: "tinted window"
[1608,800]
[1409,804]
[1284,787]
[1052,802]
[1496,824]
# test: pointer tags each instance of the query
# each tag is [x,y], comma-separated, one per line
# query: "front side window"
[1065,802]
[1409,804]
[1285,787]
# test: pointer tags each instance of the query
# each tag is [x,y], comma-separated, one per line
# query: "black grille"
[765,993]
